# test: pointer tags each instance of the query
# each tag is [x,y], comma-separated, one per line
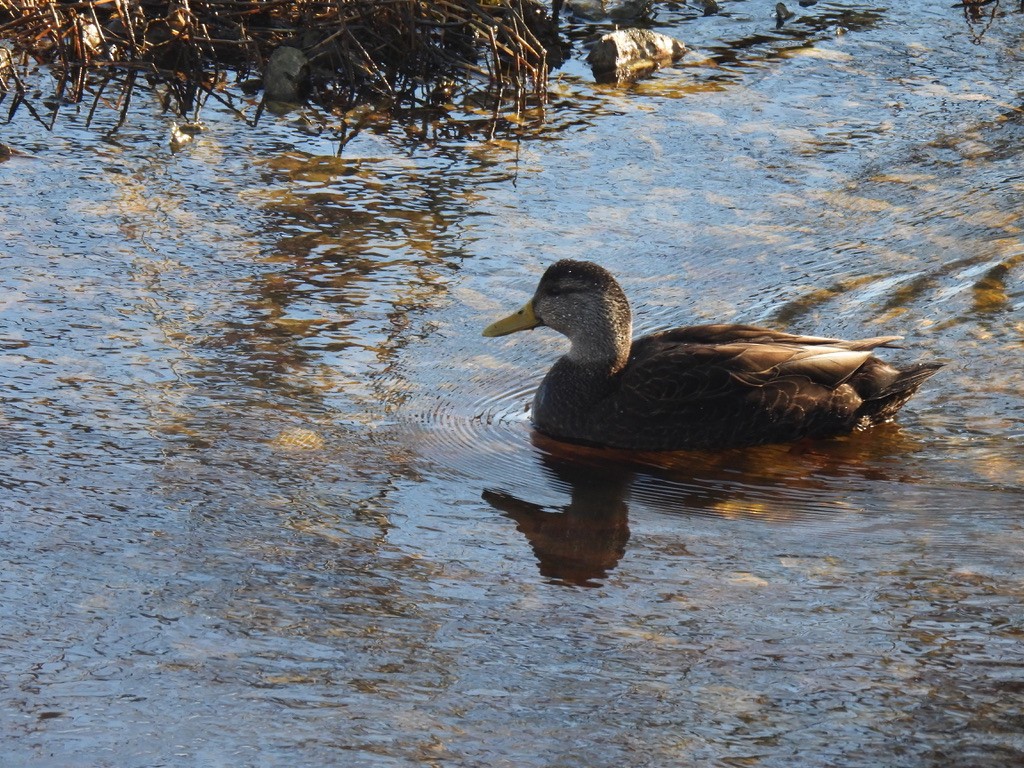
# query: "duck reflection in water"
[583,541]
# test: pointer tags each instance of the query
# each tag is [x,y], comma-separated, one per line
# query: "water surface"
[269,498]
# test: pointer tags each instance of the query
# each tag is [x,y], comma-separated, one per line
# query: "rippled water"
[269,498]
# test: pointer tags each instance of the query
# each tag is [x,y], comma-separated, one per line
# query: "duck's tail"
[883,404]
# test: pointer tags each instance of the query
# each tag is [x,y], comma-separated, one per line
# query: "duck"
[702,387]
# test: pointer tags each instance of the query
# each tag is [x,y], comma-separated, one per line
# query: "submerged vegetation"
[388,53]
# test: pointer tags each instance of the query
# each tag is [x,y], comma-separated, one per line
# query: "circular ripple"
[483,437]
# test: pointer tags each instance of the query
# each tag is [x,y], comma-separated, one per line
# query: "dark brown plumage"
[708,386]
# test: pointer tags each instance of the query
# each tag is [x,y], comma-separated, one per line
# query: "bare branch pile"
[397,53]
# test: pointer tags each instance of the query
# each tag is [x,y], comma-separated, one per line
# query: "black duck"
[703,387]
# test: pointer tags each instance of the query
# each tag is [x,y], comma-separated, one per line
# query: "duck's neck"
[605,348]
[579,381]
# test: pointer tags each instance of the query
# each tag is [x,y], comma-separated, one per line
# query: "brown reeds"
[392,53]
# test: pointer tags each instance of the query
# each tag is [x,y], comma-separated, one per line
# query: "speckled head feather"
[581,270]
[579,276]
[584,302]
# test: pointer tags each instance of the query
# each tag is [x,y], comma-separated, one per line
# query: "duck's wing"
[726,333]
[668,372]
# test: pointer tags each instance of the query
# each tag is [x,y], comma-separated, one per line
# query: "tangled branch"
[398,52]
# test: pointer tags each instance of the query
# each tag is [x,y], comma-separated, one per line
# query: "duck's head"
[582,301]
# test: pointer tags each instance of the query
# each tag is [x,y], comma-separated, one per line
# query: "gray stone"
[287,75]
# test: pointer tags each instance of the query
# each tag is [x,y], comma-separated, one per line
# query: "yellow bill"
[520,321]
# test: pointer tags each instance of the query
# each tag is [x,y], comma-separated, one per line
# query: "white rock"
[629,53]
